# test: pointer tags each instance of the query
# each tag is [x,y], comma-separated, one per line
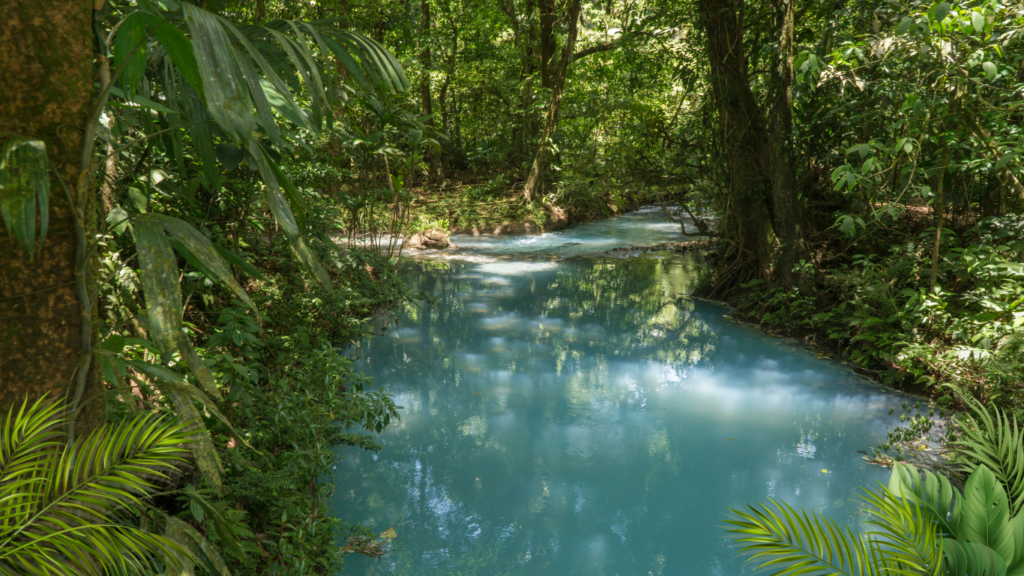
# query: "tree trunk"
[743,137]
[535,182]
[547,43]
[788,220]
[433,158]
[46,51]
[442,96]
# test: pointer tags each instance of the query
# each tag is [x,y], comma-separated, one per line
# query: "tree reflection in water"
[586,417]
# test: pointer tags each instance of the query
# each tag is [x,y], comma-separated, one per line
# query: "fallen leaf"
[478,393]
[730,438]
[390,534]
[824,471]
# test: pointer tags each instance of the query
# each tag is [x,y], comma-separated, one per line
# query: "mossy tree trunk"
[746,226]
[47,54]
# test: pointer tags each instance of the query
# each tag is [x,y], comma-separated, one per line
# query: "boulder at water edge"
[433,239]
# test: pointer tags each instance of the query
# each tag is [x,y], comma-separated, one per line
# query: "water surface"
[586,417]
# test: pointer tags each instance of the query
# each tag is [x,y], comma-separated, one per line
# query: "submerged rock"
[433,239]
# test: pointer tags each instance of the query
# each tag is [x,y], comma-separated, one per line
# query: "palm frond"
[933,493]
[907,532]
[993,439]
[794,543]
[71,509]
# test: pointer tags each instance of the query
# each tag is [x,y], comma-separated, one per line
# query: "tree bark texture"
[787,215]
[46,51]
[547,43]
[742,132]
[433,158]
[535,182]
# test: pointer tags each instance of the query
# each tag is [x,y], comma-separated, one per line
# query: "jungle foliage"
[202,203]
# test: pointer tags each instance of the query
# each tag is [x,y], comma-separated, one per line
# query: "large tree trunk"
[433,158]
[535,181]
[46,52]
[788,219]
[746,226]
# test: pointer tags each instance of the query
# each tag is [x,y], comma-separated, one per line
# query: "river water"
[585,416]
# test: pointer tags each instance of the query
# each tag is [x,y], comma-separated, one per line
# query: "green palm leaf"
[794,543]
[992,438]
[934,494]
[70,509]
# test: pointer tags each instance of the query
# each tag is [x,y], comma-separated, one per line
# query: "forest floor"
[491,203]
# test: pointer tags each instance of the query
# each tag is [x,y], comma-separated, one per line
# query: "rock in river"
[433,239]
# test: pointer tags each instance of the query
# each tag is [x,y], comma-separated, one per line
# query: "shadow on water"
[586,417]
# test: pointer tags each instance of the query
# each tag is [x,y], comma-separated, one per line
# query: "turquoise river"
[567,414]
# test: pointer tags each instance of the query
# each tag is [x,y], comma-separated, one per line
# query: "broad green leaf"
[202,447]
[179,50]
[283,105]
[275,197]
[201,247]
[1006,158]
[344,56]
[130,51]
[978,22]
[158,271]
[227,95]
[935,494]
[303,62]
[266,117]
[175,531]
[273,74]
[207,555]
[941,11]
[305,255]
[200,128]
[990,71]
[294,198]
[1017,525]
[156,371]
[24,185]
[971,559]
[199,368]
[985,514]
[904,25]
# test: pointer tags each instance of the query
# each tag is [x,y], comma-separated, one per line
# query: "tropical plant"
[992,439]
[202,92]
[901,540]
[918,526]
[82,508]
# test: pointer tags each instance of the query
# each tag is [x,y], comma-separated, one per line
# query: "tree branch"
[595,49]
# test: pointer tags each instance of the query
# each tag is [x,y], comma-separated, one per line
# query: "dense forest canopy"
[203,200]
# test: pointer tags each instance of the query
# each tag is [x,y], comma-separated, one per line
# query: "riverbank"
[874,308]
[478,204]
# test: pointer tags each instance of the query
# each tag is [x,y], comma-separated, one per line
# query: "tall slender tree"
[535,181]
